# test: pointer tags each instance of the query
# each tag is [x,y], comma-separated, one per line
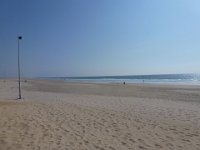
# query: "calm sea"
[193,79]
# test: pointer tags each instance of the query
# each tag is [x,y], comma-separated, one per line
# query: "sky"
[99,37]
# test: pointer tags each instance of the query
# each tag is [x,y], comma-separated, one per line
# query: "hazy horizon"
[99,38]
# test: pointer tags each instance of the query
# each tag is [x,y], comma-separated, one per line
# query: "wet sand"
[63,115]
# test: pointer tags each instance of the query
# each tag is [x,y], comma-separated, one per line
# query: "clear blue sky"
[100,37]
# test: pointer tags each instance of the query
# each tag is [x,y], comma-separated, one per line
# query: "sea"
[192,79]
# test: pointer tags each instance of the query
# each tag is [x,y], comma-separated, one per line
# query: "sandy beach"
[59,115]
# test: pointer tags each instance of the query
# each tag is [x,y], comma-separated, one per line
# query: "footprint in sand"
[142,147]
[158,146]
[132,140]
[143,142]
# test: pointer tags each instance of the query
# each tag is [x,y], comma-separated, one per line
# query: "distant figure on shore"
[124,83]
[143,81]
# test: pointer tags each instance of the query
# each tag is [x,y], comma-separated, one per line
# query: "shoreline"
[159,91]
[115,81]
[127,81]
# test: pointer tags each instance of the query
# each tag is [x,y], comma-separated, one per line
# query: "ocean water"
[193,79]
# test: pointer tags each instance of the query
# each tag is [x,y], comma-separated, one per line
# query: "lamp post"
[19,38]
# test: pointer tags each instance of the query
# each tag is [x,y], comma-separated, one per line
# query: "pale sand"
[59,115]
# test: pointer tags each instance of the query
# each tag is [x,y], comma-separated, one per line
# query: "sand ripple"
[45,120]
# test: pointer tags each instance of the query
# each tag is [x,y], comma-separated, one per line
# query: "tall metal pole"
[19,38]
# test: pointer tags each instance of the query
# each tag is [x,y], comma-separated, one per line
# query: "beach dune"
[87,116]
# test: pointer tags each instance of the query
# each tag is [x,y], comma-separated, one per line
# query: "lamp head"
[19,37]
